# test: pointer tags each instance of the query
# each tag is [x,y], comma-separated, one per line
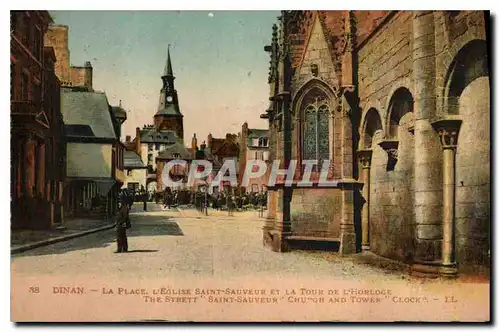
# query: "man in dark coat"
[122,223]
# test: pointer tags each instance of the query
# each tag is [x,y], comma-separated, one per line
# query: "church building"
[399,103]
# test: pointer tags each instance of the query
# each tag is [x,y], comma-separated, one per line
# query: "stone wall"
[385,62]
[459,36]
[57,37]
[472,218]
[316,212]
[81,76]
[391,194]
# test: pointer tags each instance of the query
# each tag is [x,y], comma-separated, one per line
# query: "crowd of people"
[237,200]
[232,200]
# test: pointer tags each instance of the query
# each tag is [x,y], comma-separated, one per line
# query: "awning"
[104,185]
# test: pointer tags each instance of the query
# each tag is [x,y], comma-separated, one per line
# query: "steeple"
[168,115]
[168,104]
[168,67]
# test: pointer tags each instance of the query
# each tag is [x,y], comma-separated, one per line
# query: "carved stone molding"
[391,147]
[365,157]
[448,129]
[314,70]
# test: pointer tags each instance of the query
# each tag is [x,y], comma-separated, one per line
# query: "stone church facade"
[399,103]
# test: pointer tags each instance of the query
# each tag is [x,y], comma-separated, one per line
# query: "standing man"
[122,223]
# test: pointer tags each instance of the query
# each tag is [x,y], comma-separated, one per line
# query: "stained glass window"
[310,133]
[316,142]
[323,133]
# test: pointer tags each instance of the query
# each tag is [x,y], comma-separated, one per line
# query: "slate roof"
[78,130]
[172,150]
[153,136]
[88,108]
[132,160]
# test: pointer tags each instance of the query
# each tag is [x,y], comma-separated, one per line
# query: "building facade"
[135,171]
[91,134]
[37,129]
[78,76]
[399,104]
[254,145]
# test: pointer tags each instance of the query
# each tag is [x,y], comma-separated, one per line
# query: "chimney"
[138,140]
[209,140]
[127,138]
[88,80]
[194,145]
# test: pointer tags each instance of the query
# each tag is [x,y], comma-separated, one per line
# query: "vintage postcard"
[250,166]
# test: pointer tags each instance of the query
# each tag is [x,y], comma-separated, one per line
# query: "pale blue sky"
[218,59]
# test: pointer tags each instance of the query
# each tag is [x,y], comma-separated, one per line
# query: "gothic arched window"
[316,144]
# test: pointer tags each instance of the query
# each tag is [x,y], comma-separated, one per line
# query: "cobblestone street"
[186,243]
[182,248]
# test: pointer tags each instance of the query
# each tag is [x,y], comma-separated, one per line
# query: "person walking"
[122,223]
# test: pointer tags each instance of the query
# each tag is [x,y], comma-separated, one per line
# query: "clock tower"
[168,115]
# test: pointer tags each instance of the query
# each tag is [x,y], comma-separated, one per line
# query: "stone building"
[37,128]
[254,145]
[57,37]
[399,103]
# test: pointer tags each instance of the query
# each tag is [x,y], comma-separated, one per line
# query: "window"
[255,142]
[150,146]
[24,86]
[157,146]
[316,132]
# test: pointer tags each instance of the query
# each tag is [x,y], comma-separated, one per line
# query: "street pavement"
[178,243]
[185,242]
[183,250]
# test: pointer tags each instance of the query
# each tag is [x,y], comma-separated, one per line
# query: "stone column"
[283,194]
[347,183]
[347,231]
[448,130]
[427,169]
[365,158]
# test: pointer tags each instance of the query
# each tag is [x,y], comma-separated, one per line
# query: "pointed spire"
[168,67]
